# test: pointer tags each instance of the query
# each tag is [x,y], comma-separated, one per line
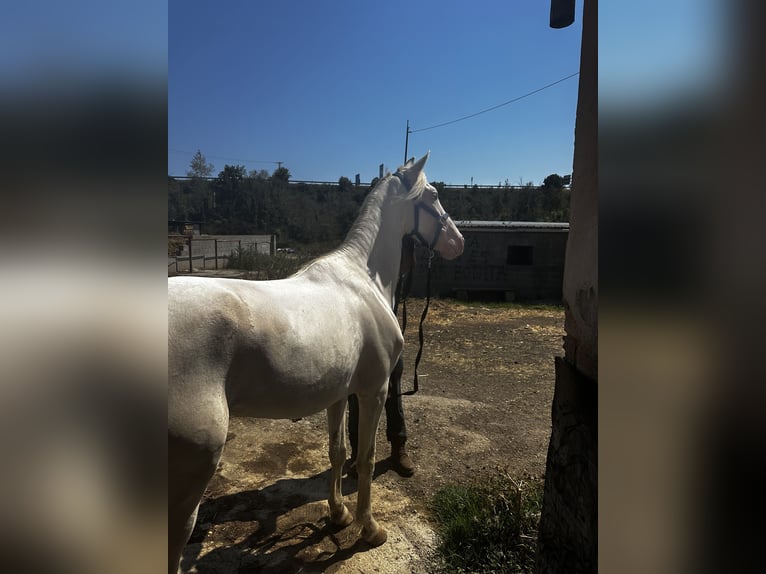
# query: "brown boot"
[400,461]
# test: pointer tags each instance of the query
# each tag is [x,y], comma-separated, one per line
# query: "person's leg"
[395,425]
[353,425]
[396,428]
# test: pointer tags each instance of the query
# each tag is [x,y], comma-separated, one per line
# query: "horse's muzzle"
[452,247]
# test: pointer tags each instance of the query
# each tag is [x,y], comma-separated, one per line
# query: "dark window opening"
[520,254]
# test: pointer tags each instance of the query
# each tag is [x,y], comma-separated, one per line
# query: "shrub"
[175,245]
[264,266]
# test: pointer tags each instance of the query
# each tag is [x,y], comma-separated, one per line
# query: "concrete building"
[504,260]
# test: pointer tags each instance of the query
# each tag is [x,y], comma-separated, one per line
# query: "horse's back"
[278,349]
[265,349]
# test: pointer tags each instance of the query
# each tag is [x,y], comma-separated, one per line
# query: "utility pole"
[406,141]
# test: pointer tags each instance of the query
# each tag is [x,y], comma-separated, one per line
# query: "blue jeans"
[395,427]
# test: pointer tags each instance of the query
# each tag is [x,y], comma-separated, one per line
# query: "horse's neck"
[374,243]
[384,261]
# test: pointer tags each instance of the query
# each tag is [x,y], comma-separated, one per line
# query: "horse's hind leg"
[370,408]
[190,468]
[336,419]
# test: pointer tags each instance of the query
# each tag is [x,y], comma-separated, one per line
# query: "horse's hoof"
[344,519]
[376,539]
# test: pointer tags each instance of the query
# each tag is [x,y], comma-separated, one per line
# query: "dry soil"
[486,385]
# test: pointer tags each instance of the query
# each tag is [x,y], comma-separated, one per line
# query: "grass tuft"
[489,528]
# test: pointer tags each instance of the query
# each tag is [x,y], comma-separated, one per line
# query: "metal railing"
[196,253]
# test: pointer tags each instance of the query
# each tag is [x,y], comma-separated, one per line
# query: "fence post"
[191,269]
[240,253]
[215,252]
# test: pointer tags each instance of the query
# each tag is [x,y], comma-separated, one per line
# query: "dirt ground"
[486,386]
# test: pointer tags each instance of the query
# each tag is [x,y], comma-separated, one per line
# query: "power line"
[494,107]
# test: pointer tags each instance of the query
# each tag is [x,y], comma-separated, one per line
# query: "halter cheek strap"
[440,220]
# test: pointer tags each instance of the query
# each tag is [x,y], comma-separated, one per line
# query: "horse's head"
[427,221]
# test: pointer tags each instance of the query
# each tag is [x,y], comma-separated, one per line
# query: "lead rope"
[420,328]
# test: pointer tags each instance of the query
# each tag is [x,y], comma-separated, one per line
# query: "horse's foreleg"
[336,423]
[370,408]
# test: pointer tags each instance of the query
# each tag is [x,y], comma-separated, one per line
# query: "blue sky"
[327,87]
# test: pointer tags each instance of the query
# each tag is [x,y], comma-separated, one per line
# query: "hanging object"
[562,13]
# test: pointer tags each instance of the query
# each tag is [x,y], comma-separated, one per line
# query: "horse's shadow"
[283,527]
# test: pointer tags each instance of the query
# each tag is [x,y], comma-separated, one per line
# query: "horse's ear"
[412,171]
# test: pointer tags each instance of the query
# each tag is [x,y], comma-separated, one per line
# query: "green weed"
[537,306]
[488,528]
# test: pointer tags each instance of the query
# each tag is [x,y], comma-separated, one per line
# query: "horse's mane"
[418,187]
[366,225]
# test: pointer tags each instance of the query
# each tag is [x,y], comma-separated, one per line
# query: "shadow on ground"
[283,527]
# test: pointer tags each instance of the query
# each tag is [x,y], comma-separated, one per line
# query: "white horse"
[292,347]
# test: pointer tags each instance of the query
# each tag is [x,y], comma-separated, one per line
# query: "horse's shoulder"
[381,319]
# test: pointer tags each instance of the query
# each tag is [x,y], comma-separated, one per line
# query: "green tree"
[344,184]
[229,192]
[281,175]
[197,196]
[199,166]
[232,173]
[553,181]
[176,207]
[259,174]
